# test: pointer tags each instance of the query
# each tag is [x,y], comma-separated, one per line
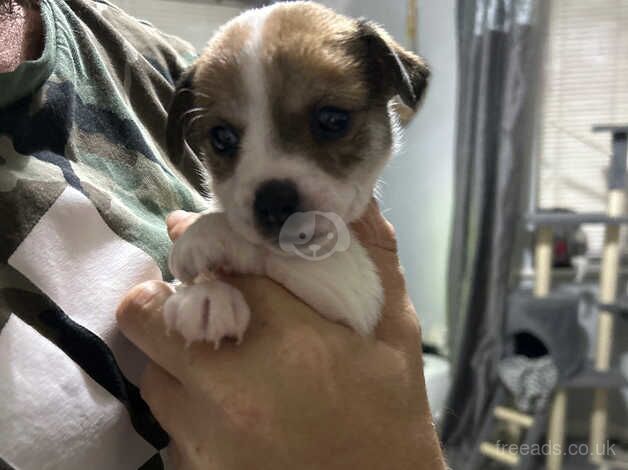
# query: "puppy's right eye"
[225,140]
[330,123]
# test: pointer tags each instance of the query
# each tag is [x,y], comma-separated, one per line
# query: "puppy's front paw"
[197,251]
[207,312]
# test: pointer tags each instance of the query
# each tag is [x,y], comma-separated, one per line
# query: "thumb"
[373,229]
[398,326]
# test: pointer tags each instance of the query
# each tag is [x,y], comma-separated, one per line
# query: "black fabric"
[154,463]
[4,465]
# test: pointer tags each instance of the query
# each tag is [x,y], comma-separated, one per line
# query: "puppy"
[291,109]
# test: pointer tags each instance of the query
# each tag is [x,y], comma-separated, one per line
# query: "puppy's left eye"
[330,123]
[224,140]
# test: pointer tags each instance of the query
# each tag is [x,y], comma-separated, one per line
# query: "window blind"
[586,83]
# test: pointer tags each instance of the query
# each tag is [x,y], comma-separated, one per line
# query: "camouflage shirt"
[84,190]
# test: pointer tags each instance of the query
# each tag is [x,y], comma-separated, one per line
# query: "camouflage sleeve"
[85,187]
[172,55]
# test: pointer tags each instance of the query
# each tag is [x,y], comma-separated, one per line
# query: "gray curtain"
[500,61]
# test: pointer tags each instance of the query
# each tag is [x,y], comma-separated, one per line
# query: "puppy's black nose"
[275,201]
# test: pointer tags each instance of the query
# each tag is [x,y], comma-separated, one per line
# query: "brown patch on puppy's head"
[316,58]
[299,95]
[310,65]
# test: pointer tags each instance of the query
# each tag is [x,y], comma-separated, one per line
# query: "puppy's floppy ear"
[182,101]
[177,132]
[392,69]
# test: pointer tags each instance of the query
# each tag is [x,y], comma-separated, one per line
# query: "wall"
[193,21]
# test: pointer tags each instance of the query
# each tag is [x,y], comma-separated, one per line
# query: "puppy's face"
[289,108]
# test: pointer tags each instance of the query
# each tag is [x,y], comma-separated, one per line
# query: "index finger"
[141,320]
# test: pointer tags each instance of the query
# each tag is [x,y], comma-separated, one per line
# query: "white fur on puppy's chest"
[344,287]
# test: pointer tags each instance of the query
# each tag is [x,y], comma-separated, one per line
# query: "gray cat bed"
[542,336]
[547,326]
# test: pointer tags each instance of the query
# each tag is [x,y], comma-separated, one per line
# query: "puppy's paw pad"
[207,312]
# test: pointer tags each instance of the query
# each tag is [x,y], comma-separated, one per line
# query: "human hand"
[300,392]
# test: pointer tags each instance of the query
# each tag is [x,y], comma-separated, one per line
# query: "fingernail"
[175,217]
[144,294]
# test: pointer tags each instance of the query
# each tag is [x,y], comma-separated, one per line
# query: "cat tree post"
[608,285]
[542,284]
